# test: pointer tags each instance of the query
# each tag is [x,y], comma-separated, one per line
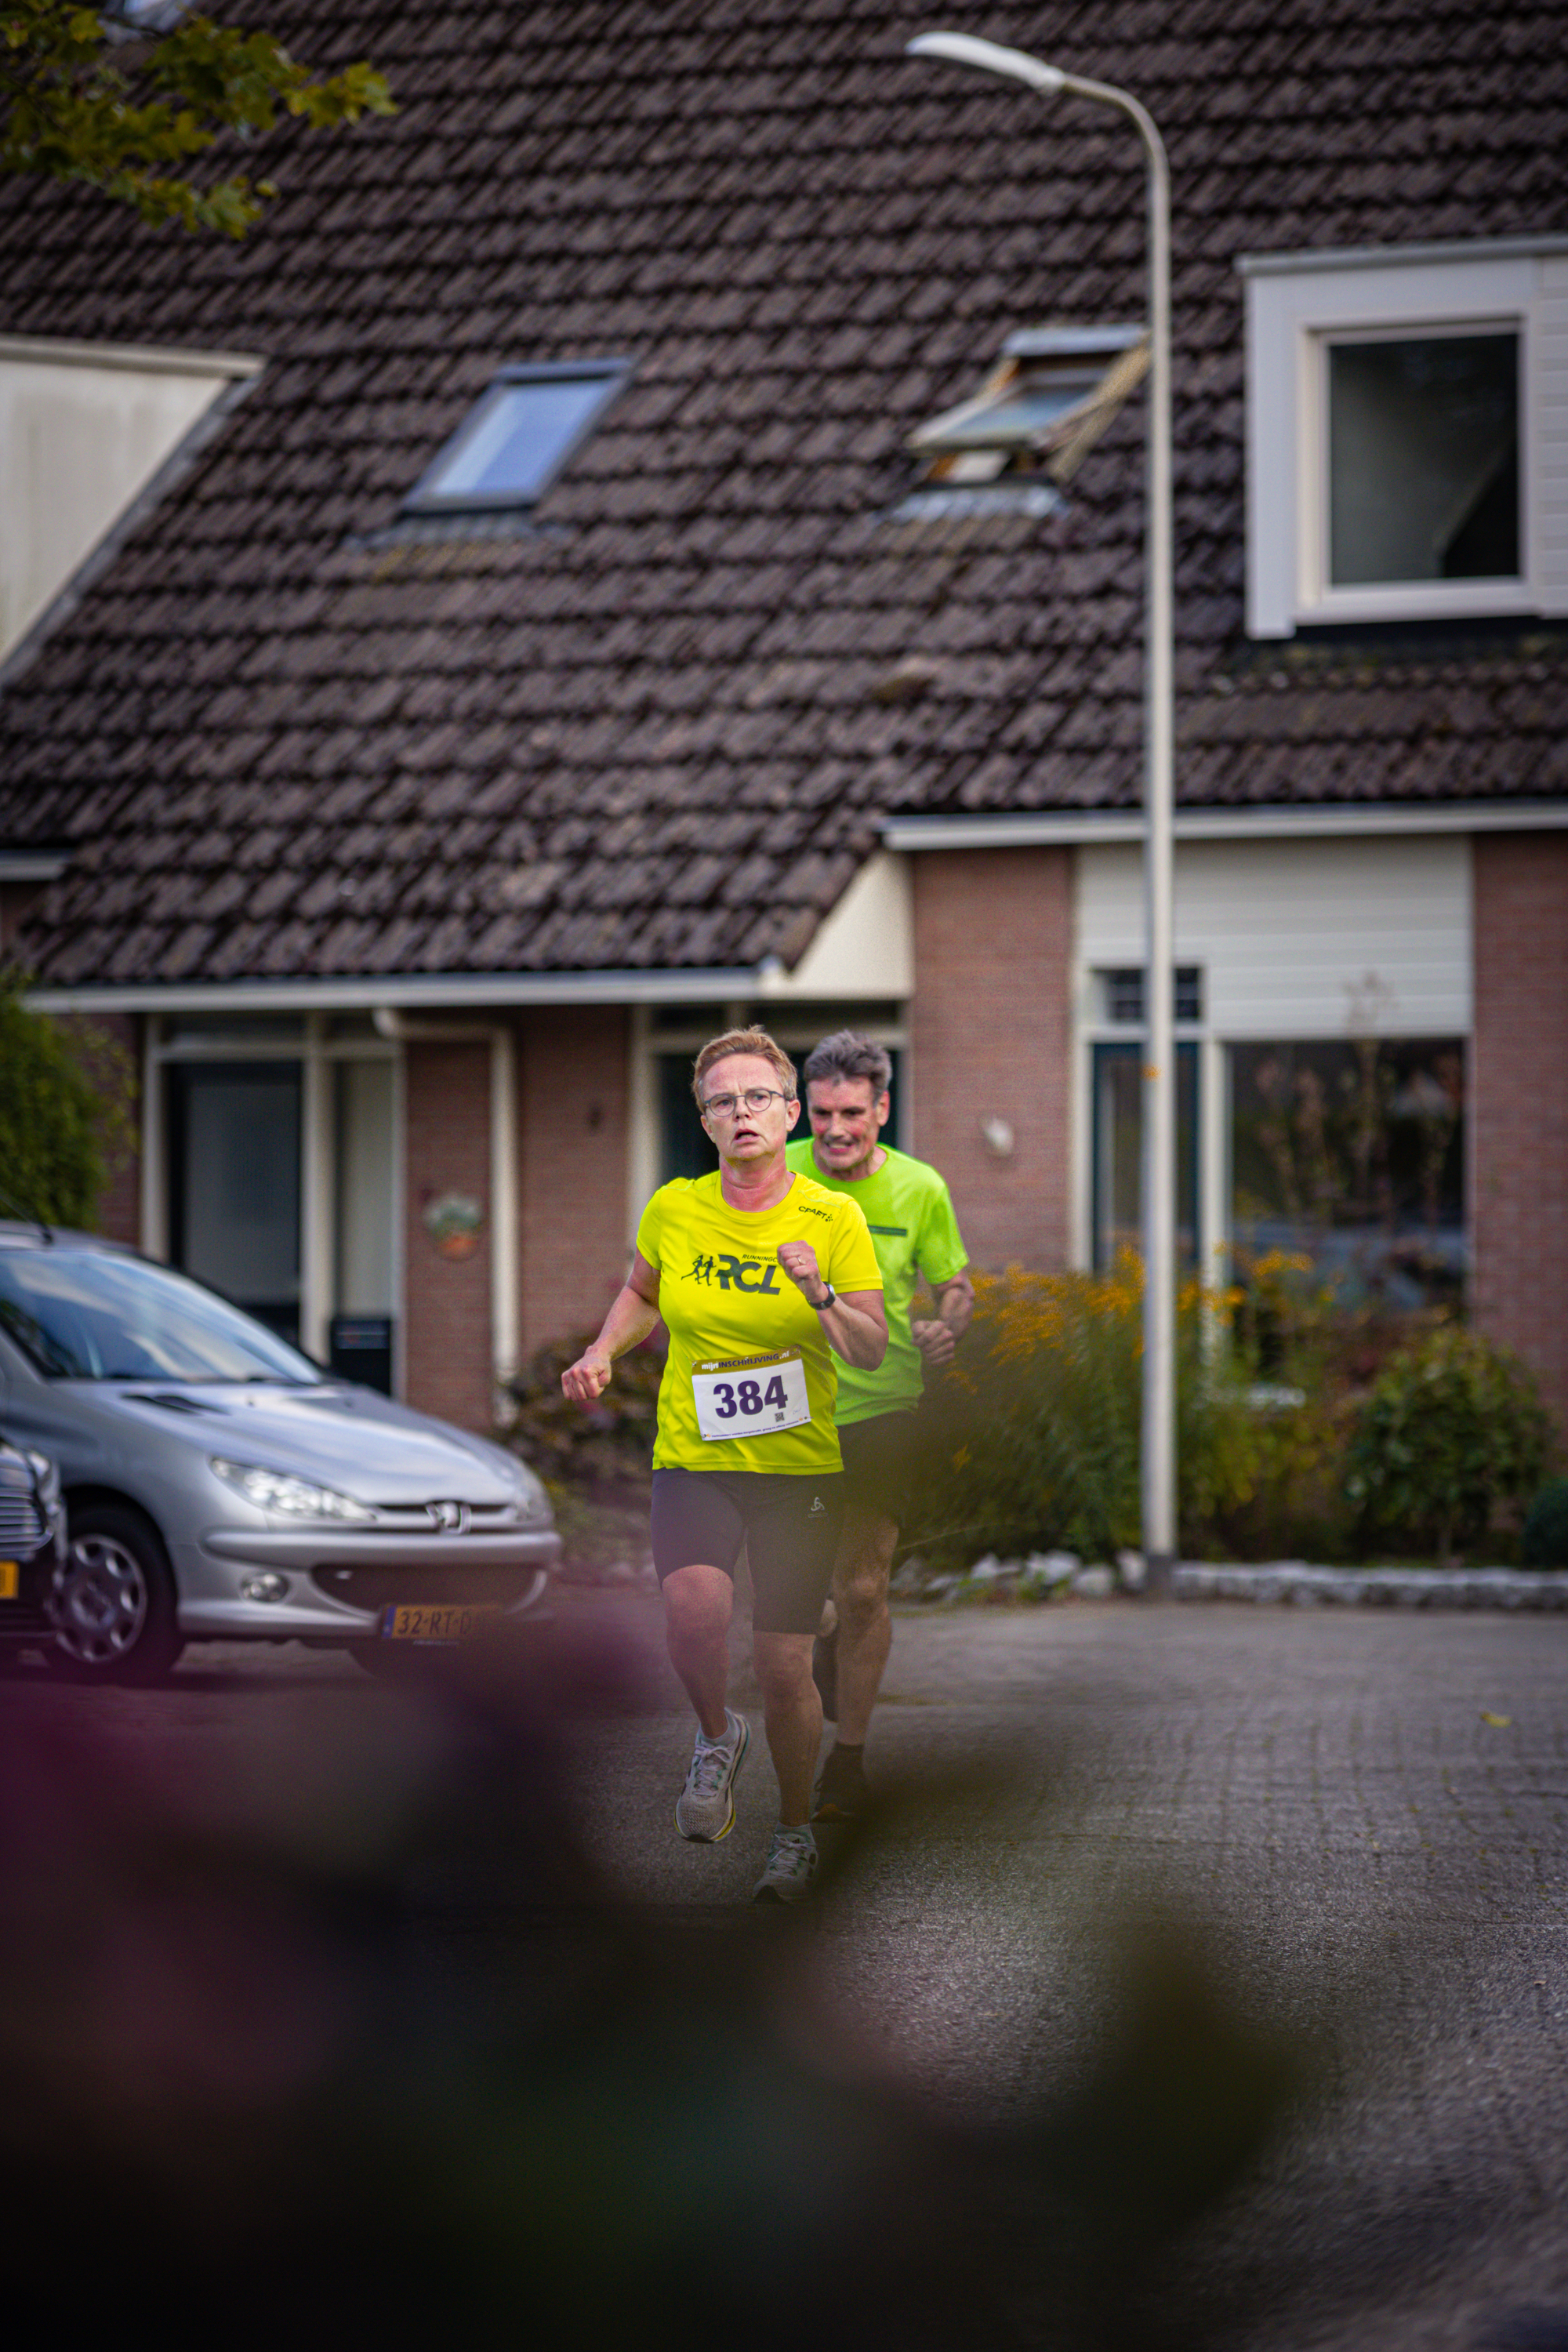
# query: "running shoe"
[825,1673]
[841,1791]
[705,1809]
[790,1867]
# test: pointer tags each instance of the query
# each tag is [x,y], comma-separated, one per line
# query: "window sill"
[1462,601]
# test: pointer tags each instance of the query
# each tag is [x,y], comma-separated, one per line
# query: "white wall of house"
[866,946]
[1303,939]
[84,428]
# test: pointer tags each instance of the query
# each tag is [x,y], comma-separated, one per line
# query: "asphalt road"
[1352,1824]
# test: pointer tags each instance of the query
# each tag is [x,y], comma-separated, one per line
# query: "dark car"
[32,1544]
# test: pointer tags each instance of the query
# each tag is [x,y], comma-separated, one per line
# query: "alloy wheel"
[101,1600]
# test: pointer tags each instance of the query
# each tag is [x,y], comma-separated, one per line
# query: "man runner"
[762,1276]
[909,1210]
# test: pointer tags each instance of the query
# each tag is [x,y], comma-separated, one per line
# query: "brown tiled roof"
[661,725]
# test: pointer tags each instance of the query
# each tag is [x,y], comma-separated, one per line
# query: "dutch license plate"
[419,1621]
[10,1580]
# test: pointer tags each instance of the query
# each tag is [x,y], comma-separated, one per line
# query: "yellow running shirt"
[727,1302]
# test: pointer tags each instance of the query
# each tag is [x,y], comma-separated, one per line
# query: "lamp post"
[1159,1456]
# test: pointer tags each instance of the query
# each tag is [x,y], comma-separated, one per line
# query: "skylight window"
[1046,402]
[510,448]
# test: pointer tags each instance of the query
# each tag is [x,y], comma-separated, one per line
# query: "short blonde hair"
[743,1041]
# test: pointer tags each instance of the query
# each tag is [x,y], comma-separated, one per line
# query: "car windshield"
[92,1315]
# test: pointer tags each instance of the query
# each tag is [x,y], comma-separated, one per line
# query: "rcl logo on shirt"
[736,1273]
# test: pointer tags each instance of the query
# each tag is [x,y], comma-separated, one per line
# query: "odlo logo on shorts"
[726,1270]
[818,1508]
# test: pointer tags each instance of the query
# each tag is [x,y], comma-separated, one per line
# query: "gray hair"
[847,1054]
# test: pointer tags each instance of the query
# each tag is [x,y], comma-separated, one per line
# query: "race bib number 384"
[751,1396]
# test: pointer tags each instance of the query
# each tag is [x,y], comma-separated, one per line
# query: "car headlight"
[49,1477]
[274,1490]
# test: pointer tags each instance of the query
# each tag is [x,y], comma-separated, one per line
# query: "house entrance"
[282,1177]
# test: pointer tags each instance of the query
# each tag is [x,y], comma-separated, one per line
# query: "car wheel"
[113,1599]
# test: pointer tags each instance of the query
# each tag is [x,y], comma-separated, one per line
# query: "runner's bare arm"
[954,1305]
[631,1316]
[855,1325]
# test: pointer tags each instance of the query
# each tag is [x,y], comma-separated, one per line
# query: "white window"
[1407,434]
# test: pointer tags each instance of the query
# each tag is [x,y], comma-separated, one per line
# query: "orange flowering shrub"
[1035,1425]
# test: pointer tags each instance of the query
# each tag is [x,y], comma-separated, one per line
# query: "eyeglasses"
[756,1099]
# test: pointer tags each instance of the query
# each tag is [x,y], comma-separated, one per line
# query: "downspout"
[499,1036]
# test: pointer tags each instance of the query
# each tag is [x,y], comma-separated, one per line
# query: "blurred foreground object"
[391,2055]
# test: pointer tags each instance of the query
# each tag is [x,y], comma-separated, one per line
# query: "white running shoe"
[790,1867]
[705,1809]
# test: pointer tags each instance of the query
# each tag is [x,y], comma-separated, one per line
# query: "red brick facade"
[572,1101]
[104,1040]
[992,1033]
[1519,1099]
[446,1301]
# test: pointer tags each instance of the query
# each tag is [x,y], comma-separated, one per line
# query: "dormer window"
[514,443]
[1050,397]
[1401,465]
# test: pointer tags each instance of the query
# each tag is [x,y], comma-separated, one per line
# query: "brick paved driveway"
[1362,1813]
[1367,1813]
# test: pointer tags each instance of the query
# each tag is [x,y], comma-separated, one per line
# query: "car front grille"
[22,1526]
[378,1587]
[437,1518]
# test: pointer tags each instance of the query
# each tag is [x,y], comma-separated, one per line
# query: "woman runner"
[762,1275]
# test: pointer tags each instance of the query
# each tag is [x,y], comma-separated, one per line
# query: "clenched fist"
[586,1381]
[935,1342]
[798,1260]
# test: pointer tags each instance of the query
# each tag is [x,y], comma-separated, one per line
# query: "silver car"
[219,1486]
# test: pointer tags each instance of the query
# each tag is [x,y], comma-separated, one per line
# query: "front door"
[234,1132]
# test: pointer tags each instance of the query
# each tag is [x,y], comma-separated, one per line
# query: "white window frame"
[1298,304]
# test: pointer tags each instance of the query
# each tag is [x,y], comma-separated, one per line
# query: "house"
[653,531]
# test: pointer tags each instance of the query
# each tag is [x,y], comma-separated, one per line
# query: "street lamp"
[1159,1069]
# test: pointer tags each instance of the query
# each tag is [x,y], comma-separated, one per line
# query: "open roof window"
[1043,407]
[510,448]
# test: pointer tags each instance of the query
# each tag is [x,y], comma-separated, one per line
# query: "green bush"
[1035,1430]
[1451,1435]
[603,1456]
[1544,1542]
[65,1099]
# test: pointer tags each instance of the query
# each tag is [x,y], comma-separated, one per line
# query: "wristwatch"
[822,1304]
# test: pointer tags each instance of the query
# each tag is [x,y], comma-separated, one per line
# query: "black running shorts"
[789,1526]
[879,1462]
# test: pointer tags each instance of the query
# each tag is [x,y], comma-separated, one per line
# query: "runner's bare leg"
[860,1576]
[698,1602]
[792,1714]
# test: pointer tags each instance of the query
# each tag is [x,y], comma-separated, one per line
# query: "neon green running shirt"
[914,1231]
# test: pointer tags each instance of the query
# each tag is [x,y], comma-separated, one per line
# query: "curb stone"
[1295,1582]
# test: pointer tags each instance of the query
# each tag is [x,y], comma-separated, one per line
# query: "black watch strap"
[822,1304]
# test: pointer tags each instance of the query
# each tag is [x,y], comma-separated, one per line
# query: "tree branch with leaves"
[79,101]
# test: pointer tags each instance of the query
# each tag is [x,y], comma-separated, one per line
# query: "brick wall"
[119,1204]
[1519,1149]
[992,1034]
[447,1301]
[572,1099]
